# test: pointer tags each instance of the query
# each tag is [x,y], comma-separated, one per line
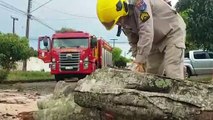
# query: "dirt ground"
[17,99]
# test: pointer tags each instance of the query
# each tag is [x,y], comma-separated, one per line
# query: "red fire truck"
[74,53]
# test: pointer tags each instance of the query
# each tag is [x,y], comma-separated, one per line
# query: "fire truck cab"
[74,54]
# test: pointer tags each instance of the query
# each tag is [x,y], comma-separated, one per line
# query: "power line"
[10,7]
[41,22]
[66,13]
[74,15]
[118,42]
[57,19]
[41,5]
[9,10]
[33,39]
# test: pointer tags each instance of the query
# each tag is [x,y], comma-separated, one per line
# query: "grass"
[21,75]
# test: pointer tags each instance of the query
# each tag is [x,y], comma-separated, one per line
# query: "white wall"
[34,64]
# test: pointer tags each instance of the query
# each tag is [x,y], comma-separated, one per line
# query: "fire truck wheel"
[59,77]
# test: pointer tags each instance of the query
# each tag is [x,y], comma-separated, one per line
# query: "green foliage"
[190,45]
[12,49]
[117,59]
[3,74]
[116,53]
[199,18]
[33,53]
[121,62]
[64,29]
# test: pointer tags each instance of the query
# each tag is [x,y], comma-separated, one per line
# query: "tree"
[199,22]
[117,59]
[116,53]
[12,49]
[121,62]
[189,43]
[33,53]
[64,29]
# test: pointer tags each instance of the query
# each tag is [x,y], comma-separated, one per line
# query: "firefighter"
[155,31]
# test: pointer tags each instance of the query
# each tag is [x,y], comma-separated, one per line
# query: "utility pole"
[28,18]
[14,19]
[27,29]
[114,42]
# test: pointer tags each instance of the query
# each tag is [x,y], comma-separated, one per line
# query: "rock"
[133,96]
[61,106]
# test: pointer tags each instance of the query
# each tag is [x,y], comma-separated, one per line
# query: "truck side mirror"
[45,41]
[93,42]
[44,47]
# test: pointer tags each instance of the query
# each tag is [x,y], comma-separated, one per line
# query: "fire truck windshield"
[70,43]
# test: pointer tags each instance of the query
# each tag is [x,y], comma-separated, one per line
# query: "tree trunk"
[133,96]
[61,106]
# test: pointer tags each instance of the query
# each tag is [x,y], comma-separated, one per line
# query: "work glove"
[138,67]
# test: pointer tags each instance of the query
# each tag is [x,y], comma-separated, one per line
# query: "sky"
[76,14]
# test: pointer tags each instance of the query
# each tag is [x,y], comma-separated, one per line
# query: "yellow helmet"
[109,11]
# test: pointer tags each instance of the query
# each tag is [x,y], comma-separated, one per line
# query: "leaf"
[199,19]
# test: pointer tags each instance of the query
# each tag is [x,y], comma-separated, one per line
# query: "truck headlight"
[86,63]
[53,60]
[86,59]
[53,66]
